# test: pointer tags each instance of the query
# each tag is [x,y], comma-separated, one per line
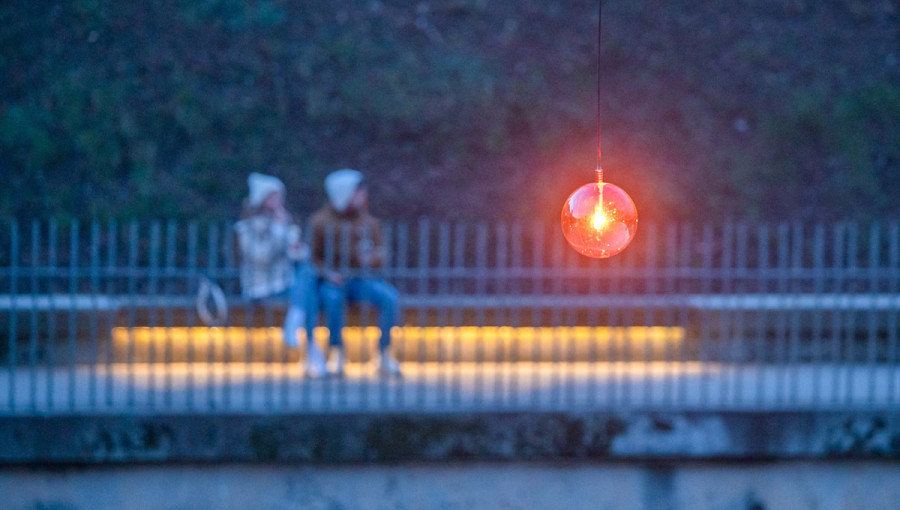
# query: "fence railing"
[102,317]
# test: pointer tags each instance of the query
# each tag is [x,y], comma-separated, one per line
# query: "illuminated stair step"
[449,344]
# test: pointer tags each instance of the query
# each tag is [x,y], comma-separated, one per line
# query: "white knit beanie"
[340,185]
[261,185]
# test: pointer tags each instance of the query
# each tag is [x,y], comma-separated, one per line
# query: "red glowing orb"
[599,220]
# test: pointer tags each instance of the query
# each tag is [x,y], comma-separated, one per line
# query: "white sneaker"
[336,361]
[315,361]
[387,364]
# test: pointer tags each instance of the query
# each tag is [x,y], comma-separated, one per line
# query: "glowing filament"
[600,218]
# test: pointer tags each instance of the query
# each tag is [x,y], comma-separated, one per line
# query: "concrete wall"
[373,437]
[824,460]
[793,485]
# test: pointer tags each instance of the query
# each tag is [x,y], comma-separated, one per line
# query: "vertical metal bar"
[851,343]
[613,350]
[365,345]
[739,336]
[73,289]
[221,277]
[111,261]
[709,352]
[629,264]
[227,281]
[725,326]
[762,284]
[594,369]
[780,348]
[538,275]
[403,286]
[93,358]
[795,286]
[269,357]
[345,254]
[836,322]
[580,370]
[34,339]
[558,271]
[422,289]
[501,271]
[671,288]
[132,310]
[169,319]
[212,262]
[650,271]
[401,255]
[625,270]
[893,348]
[481,239]
[390,271]
[818,317]
[152,312]
[53,271]
[872,333]
[441,313]
[52,251]
[192,258]
[459,267]
[516,313]
[230,284]
[686,249]
[595,375]
[347,248]
[250,354]
[13,341]
[367,319]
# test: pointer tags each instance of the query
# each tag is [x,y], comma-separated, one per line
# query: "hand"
[281,215]
[369,255]
[298,251]
[372,257]
[334,278]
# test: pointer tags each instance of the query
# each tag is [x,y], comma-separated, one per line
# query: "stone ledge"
[353,438]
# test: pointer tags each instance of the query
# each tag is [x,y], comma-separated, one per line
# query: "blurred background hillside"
[469,109]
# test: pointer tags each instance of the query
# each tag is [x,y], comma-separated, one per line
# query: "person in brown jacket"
[346,244]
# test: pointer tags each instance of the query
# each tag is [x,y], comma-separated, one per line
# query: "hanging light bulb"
[599,219]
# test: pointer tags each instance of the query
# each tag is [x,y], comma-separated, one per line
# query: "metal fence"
[102,317]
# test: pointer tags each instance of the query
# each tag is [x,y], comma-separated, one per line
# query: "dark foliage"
[460,108]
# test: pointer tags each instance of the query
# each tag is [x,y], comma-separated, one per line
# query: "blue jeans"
[359,290]
[302,295]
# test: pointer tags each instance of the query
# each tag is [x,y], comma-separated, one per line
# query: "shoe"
[315,362]
[387,364]
[292,322]
[336,361]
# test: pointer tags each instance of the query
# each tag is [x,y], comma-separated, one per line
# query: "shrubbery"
[463,109]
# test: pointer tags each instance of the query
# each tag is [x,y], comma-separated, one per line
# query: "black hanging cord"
[599,152]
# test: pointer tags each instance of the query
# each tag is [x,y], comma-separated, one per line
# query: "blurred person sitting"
[347,241]
[275,263]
